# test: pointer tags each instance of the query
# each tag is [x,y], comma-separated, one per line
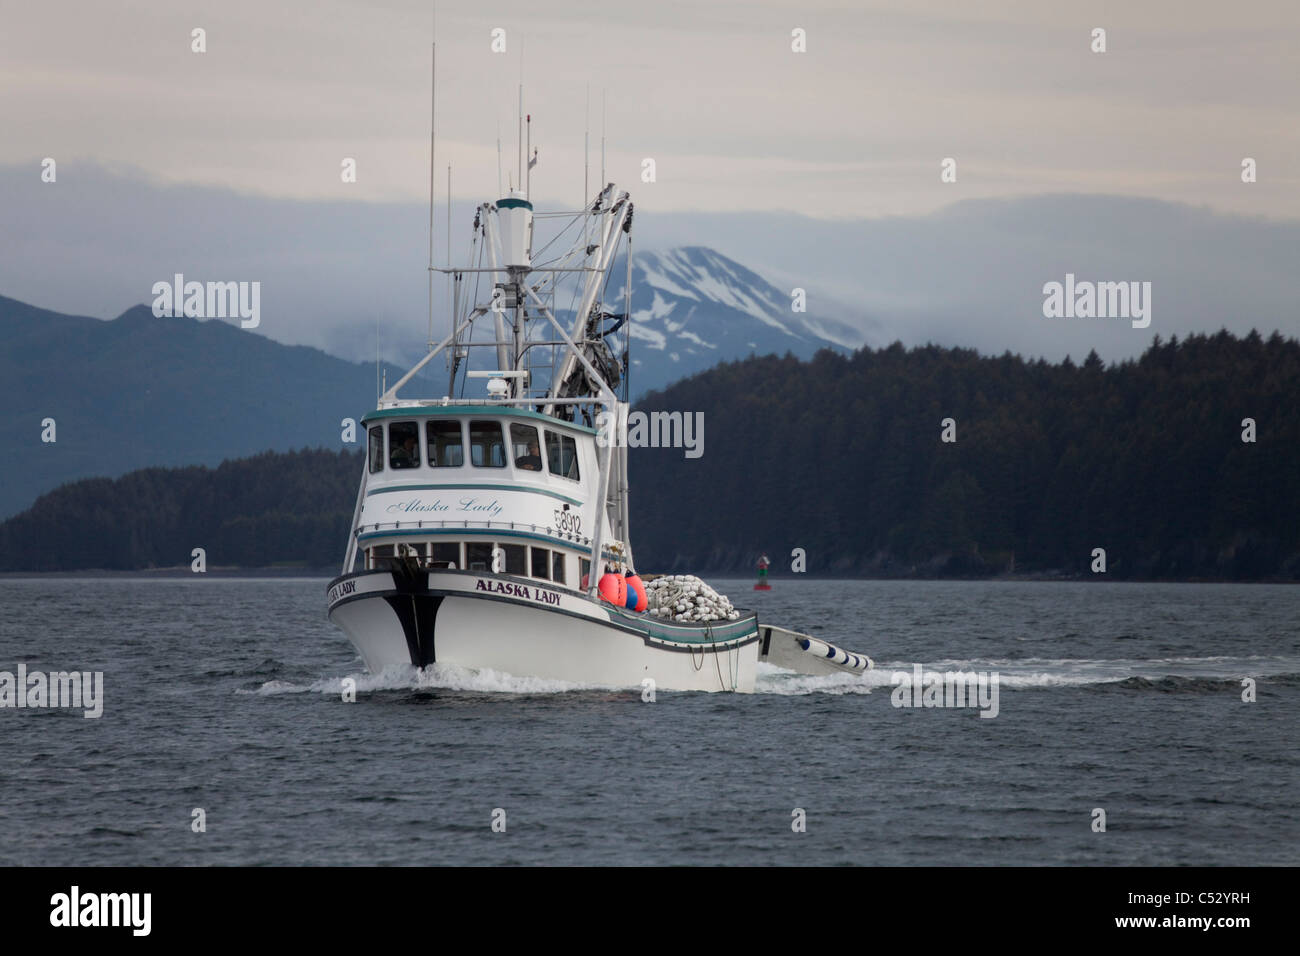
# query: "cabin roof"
[483,411]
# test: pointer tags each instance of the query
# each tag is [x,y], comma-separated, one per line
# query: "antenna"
[519,140]
[586,149]
[602,137]
[499,158]
[586,166]
[451,305]
[433,125]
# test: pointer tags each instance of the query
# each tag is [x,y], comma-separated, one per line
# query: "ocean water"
[225,695]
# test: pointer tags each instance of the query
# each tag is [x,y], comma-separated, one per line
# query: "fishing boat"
[491,526]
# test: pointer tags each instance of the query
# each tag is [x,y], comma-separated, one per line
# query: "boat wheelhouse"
[455,487]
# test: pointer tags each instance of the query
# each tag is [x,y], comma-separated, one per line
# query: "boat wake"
[1171,675]
[776,680]
[433,677]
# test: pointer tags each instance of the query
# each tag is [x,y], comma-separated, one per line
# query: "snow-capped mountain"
[693,307]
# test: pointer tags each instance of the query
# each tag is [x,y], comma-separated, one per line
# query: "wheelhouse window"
[516,557]
[444,440]
[478,556]
[525,448]
[403,445]
[444,554]
[557,567]
[542,563]
[562,455]
[487,447]
[377,449]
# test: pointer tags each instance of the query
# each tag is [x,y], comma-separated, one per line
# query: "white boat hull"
[521,627]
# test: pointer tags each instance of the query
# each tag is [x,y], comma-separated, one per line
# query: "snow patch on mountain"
[704,275]
[692,337]
[692,307]
[652,337]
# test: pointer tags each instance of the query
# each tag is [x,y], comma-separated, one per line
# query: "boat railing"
[524,402]
[549,530]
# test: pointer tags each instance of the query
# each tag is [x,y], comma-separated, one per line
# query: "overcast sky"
[855,127]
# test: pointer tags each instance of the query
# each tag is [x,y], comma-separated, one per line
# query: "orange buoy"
[613,588]
[636,596]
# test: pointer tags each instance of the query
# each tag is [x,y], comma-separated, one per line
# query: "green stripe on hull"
[718,633]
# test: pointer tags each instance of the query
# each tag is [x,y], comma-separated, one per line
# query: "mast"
[498,310]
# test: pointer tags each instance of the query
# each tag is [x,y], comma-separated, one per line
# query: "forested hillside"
[843,457]
[273,508]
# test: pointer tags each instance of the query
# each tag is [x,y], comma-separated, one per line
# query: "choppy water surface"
[225,695]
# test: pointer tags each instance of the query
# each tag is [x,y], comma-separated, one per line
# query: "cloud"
[854,127]
[970,274]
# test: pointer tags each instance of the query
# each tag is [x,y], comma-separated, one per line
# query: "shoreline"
[327,574]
